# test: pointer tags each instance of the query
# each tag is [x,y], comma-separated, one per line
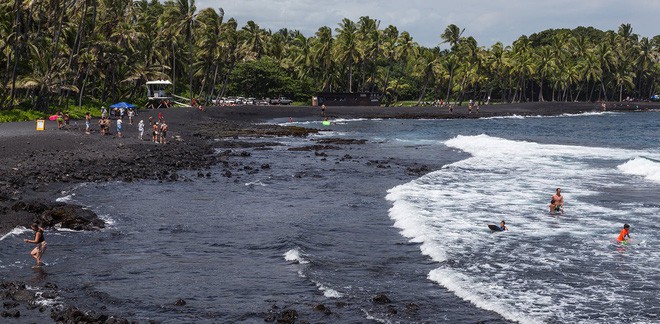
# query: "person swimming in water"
[624,233]
[503,226]
[557,202]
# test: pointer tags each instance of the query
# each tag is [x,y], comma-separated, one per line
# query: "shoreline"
[38,167]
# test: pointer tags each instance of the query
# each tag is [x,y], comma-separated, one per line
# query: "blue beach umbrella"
[122,105]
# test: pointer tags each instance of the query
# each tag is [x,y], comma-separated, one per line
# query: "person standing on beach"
[163,133]
[322,110]
[154,127]
[88,121]
[104,112]
[102,126]
[40,242]
[151,121]
[131,113]
[141,129]
[160,116]
[624,235]
[119,127]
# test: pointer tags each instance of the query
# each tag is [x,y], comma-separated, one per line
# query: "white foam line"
[455,283]
[15,232]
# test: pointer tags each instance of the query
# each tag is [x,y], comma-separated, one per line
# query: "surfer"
[40,241]
[503,226]
[624,234]
[557,202]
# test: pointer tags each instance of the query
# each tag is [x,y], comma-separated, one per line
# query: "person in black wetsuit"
[40,242]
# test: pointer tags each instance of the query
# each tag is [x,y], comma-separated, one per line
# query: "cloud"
[488,21]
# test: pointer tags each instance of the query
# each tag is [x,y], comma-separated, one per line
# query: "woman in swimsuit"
[40,242]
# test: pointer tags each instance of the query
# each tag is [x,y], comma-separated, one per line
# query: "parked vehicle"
[261,102]
[280,101]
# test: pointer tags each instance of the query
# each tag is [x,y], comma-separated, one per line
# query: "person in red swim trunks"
[624,234]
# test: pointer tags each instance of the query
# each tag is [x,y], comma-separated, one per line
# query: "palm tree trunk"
[17,21]
[421,95]
[173,69]
[190,64]
[387,77]
[451,76]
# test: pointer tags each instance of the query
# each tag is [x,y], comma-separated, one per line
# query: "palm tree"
[452,35]
[346,50]
[388,50]
[254,40]
[322,50]
[424,67]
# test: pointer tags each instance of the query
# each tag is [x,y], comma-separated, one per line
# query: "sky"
[488,21]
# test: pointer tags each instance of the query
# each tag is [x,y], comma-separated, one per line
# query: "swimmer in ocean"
[624,236]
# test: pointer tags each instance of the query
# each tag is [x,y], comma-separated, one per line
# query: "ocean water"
[341,227]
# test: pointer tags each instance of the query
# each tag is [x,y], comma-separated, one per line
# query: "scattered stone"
[381,299]
[412,307]
[12,313]
[341,141]
[323,309]
[391,310]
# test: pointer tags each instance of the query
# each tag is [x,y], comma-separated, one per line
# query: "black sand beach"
[37,166]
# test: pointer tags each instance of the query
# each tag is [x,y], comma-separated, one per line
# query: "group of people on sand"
[159,128]
[557,206]
[62,119]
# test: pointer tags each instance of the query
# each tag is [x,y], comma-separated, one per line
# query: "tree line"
[62,52]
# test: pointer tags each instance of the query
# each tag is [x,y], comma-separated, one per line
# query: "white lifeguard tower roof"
[165,82]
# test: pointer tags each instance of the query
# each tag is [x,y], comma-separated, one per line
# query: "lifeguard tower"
[159,95]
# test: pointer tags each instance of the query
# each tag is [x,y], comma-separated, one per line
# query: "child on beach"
[119,127]
[40,242]
[624,236]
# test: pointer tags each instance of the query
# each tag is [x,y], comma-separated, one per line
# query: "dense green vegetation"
[57,53]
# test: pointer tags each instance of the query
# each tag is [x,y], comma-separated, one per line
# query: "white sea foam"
[590,113]
[328,292]
[521,274]
[295,255]
[15,232]
[255,183]
[66,199]
[642,167]
[109,221]
[338,121]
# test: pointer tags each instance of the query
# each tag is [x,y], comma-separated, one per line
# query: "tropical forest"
[59,54]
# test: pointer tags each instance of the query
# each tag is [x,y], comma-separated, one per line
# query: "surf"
[523,274]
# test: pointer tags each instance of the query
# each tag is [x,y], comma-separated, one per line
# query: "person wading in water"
[40,241]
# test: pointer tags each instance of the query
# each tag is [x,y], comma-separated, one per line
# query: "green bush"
[16,115]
